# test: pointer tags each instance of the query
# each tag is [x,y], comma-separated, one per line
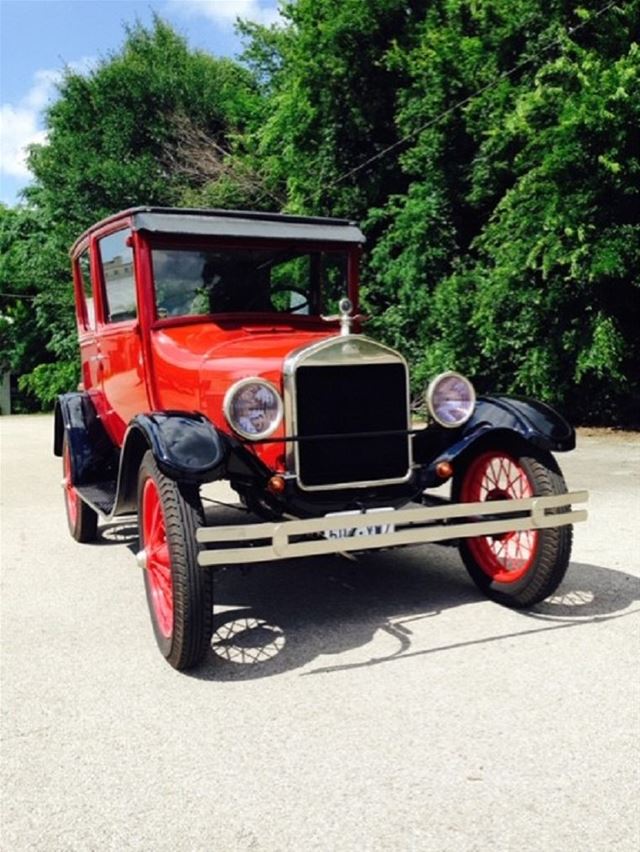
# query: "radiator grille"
[337,400]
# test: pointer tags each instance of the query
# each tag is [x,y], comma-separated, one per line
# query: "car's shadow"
[120,531]
[280,617]
[274,617]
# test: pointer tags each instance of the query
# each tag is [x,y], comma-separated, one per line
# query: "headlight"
[253,408]
[451,399]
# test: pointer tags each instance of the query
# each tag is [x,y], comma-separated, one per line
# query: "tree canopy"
[488,146]
[122,135]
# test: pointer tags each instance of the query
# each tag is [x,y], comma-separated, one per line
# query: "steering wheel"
[287,288]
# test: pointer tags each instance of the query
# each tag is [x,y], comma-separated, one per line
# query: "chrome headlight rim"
[228,413]
[433,385]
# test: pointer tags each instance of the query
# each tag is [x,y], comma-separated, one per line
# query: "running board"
[281,540]
[101,496]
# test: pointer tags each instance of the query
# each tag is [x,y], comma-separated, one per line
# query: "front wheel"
[521,568]
[179,591]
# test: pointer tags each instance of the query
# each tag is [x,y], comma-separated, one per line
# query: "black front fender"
[531,419]
[186,446]
[500,420]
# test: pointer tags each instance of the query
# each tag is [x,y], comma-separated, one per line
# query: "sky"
[38,38]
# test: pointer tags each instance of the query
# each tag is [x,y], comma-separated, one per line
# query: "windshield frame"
[350,251]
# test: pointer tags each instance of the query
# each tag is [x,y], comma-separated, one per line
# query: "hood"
[261,354]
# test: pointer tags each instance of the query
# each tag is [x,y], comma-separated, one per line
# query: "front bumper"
[287,539]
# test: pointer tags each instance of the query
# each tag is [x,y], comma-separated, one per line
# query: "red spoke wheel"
[179,592]
[81,518]
[519,568]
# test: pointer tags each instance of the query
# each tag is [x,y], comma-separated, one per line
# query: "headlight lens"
[451,399]
[253,408]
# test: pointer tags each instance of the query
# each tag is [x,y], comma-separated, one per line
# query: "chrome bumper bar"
[267,541]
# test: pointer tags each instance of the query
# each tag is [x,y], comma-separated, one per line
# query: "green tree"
[146,126]
[489,146]
[514,252]
[558,265]
[331,100]
[119,136]
[37,336]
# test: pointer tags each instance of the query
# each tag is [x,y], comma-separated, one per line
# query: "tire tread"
[85,528]
[554,543]
[192,586]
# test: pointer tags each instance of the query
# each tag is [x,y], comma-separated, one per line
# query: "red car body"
[156,364]
[222,345]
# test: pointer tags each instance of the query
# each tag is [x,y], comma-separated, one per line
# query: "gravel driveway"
[376,704]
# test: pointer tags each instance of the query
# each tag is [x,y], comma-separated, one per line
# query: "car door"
[120,356]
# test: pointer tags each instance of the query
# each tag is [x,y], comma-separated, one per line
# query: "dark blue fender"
[533,420]
[93,455]
[500,419]
[186,446]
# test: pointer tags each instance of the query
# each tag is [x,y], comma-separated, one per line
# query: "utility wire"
[15,296]
[504,75]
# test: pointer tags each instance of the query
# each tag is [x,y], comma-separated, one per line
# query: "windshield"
[191,282]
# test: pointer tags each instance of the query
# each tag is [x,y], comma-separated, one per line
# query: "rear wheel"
[520,568]
[81,518]
[179,592]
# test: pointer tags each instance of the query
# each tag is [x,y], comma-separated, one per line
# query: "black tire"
[191,614]
[82,520]
[544,569]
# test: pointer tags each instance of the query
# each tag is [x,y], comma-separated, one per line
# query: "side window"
[119,284]
[85,277]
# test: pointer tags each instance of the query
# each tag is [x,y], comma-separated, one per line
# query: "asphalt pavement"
[371,704]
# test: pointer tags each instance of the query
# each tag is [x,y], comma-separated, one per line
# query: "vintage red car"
[226,345]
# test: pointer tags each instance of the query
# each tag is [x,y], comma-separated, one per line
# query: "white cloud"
[18,130]
[21,125]
[225,12]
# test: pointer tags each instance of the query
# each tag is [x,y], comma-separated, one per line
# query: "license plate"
[354,532]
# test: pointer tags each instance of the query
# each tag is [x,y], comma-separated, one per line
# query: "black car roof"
[233,223]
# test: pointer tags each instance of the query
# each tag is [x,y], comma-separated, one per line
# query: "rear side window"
[119,285]
[85,277]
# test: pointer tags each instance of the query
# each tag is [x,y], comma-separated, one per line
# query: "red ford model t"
[222,345]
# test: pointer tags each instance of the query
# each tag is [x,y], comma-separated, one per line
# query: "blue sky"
[39,37]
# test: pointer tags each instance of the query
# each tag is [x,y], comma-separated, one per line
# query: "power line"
[432,121]
[15,296]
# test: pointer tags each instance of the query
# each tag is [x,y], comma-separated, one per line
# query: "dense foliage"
[524,267]
[488,146]
[124,134]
